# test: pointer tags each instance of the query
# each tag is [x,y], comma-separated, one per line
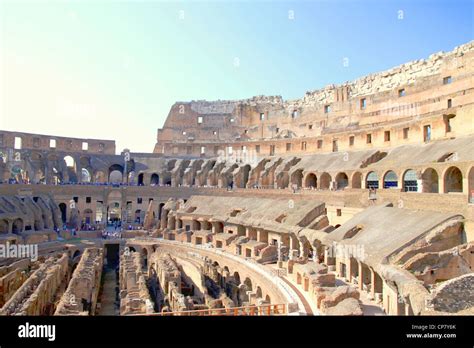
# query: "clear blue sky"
[112,69]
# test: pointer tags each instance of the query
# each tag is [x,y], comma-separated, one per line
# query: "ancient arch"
[390,180]
[372,180]
[17,226]
[140,179]
[310,181]
[100,177]
[88,216]
[342,181]
[410,182]
[297,178]
[85,175]
[115,173]
[470,184]
[3,226]
[63,209]
[430,181]
[325,181]
[154,180]
[115,177]
[453,180]
[357,180]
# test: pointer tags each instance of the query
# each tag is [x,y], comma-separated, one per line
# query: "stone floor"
[369,307]
[107,300]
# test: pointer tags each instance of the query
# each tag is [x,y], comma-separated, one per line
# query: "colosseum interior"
[356,199]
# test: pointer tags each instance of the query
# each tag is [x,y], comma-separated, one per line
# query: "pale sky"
[112,69]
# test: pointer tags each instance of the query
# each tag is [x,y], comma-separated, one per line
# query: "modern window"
[85,146]
[401,92]
[351,140]
[363,102]
[447,80]
[327,109]
[369,138]
[320,144]
[200,119]
[386,136]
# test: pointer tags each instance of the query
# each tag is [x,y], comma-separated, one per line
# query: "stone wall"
[36,295]
[80,297]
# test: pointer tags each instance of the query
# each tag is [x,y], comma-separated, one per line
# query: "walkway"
[107,299]
[306,305]
[369,307]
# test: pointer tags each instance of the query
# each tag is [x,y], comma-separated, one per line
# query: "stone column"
[372,282]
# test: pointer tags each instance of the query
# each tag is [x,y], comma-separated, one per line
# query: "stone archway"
[342,181]
[325,181]
[310,181]
[357,180]
[430,181]
[453,180]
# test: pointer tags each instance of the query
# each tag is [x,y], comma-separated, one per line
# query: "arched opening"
[237,278]
[325,181]
[268,299]
[71,168]
[390,180]
[372,180]
[88,216]
[138,215]
[131,177]
[145,257]
[453,180]
[114,212]
[3,226]
[430,181]
[86,175]
[160,209]
[115,173]
[357,180]
[310,181]
[62,208]
[297,178]
[258,292]
[115,177]
[342,181]
[17,226]
[70,163]
[100,177]
[140,179]
[410,182]
[471,185]
[154,180]
[248,283]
